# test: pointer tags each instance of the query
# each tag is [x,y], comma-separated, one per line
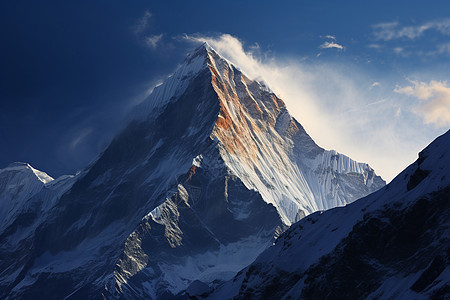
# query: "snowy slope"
[27,196]
[393,244]
[210,168]
[18,183]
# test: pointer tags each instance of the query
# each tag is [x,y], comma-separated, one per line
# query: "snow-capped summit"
[210,168]
[18,183]
[262,144]
[174,86]
[24,168]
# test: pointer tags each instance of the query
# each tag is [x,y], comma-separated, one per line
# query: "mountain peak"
[25,167]
[204,48]
[257,136]
[212,171]
[18,164]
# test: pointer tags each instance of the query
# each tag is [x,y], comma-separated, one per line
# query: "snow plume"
[434,101]
[335,103]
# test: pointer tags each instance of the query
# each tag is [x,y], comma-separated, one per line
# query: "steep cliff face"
[271,152]
[393,244]
[209,170]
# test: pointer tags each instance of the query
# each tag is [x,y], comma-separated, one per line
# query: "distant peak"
[21,166]
[18,164]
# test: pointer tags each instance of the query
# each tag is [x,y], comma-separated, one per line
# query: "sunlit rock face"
[209,170]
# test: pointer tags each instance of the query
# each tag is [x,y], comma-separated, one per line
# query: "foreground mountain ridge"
[392,244]
[209,170]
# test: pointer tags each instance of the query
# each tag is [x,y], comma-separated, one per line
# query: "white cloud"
[434,101]
[398,50]
[374,46]
[152,41]
[393,30]
[334,105]
[141,32]
[332,37]
[374,84]
[328,45]
[377,102]
[439,50]
[142,23]
[443,49]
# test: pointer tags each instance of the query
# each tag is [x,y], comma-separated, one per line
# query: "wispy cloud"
[329,36]
[328,45]
[393,30]
[141,24]
[374,84]
[398,50]
[153,41]
[444,48]
[374,46]
[80,137]
[434,101]
[141,31]
[334,105]
[377,102]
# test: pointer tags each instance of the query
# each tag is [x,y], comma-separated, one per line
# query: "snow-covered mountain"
[18,183]
[392,244]
[210,168]
[26,198]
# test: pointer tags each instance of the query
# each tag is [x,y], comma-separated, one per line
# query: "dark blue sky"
[70,70]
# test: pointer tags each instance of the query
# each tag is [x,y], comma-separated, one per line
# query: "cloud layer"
[434,101]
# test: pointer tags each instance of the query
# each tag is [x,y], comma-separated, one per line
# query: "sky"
[368,79]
